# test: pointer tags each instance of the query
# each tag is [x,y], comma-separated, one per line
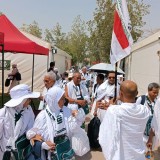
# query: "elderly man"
[121,131]
[49,81]
[85,77]
[149,101]
[76,93]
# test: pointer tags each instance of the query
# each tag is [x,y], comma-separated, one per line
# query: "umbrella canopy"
[104,68]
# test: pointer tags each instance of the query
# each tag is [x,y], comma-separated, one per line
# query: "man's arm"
[149,143]
[71,100]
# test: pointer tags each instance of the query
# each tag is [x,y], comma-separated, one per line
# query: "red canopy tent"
[15,41]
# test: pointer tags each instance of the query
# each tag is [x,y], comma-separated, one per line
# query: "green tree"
[59,36]
[77,40]
[32,29]
[74,42]
[48,36]
[101,26]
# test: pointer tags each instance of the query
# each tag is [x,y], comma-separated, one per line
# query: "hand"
[113,101]
[74,113]
[102,104]
[51,145]
[37,137]
[41,97]
[149,144]
[82,102]
[95,113]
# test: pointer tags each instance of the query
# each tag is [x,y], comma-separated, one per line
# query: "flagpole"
[115,90]
[2,74]
[2,46]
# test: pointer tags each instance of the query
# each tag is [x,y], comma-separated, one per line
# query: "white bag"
[80,142]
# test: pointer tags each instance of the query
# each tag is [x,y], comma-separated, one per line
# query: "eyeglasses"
[47,81]
[111,77]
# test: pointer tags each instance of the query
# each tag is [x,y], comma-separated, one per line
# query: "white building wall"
[143,64]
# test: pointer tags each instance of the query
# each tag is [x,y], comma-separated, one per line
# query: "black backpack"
[18,76]
[93,132]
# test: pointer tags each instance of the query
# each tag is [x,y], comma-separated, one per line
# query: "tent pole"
[32,72]
[47,62]
[2,74]
[115,91]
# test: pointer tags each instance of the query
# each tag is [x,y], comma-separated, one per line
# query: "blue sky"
[49,12]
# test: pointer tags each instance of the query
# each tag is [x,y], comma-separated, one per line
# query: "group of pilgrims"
[129,123]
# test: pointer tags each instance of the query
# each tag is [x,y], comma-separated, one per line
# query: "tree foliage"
[32,29]
[48,36]
[74,42]
[94,43]
[102,25]
[77,40]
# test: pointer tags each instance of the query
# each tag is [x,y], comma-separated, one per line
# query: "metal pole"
[47,62]
[158,52]
[159,66]
[2,74]
[115,90]
[32,72]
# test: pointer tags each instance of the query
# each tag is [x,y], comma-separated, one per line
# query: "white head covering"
[19,93]
[52,97]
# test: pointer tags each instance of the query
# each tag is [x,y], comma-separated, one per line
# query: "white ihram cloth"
[72,91]
[8,131]
[104,91]
[45,126]
[155,124]
[121,132]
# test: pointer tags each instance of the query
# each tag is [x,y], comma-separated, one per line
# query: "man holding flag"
[121,131]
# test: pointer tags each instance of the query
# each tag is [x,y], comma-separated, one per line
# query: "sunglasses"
[111,77]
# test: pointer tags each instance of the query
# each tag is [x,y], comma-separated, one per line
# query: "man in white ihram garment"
[105,93]
[154,137]
[16,117]
[48,124]
[49,81]
[121,131]
[74,90]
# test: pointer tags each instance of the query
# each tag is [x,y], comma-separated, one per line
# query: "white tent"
[41,63]
[143,64]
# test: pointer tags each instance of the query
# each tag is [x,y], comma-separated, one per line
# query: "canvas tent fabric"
[143,64]
[41,63]
[62,59]
[15,41]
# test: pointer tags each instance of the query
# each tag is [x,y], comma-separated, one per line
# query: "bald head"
[128,91]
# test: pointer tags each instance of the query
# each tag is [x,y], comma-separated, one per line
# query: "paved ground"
[98,155]
[93,155]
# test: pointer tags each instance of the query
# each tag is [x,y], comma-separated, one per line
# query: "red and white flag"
[121,37]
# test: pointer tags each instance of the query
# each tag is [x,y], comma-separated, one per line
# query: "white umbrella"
[104,68]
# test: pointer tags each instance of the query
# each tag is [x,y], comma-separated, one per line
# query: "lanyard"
[150,104]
